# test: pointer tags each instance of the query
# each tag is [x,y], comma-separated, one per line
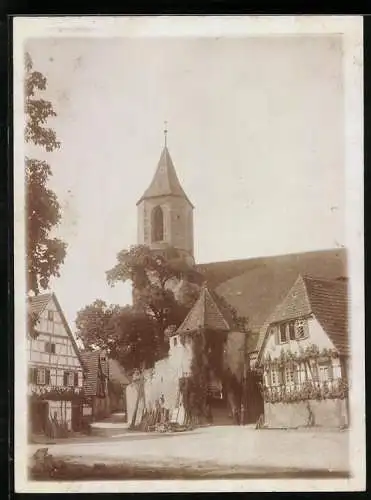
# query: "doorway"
[38,416]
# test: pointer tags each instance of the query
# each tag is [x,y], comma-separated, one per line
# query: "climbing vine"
[207,359]
[311,352]
[310,389]
[59,394]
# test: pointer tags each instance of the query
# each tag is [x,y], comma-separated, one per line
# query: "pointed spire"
[205,314]
[165,133]
[165,181]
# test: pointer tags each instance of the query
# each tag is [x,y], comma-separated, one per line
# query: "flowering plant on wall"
[59,394]
[307,391]
[311,352]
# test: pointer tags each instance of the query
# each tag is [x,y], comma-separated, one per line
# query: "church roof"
[165,182]
[205,315]
[255,286]
[327,300]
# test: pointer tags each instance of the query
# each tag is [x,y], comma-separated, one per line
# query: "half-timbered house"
[55,369]
[305,354]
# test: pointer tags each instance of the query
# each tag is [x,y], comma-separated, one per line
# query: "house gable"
[51,327]
[322,304]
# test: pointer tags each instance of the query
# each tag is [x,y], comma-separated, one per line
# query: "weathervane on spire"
[165,132]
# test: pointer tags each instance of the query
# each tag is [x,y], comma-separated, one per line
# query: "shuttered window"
[47,377]
[65,379]
[283,333]
[32,375]
[302,330]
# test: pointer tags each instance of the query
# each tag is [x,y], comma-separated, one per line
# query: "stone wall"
[163,379]
[326,413]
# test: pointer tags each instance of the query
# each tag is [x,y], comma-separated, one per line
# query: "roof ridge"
[272,256]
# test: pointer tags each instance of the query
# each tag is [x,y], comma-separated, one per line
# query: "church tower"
[165,214]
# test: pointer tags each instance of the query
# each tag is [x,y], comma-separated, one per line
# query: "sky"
[255,131]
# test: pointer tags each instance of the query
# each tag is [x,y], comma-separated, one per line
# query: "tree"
[151,276]
[126,334]
[45,254]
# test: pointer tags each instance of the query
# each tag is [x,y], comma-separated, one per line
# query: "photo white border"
[351,29]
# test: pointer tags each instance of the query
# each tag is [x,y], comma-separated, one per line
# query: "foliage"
[59,394]
[32,319]
[126,334]
[151,276]
[309,390]
[311,352]
[45,254]
[207,361]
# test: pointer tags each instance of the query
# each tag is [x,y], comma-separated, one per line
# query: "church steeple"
[165,182]
[165,213]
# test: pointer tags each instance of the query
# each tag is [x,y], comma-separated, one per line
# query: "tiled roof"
[330,301]
[296,304]
[327,300]
[255,286]
[37,304]
[165,181]
[205,314]
[94,368]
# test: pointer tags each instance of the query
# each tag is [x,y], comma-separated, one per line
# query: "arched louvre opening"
[157,224]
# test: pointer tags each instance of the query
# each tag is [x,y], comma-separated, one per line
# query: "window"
[301,329]
[283,333]
[292,331]
[157,224]
[274,377]
[42,376]
[325,371]
[175,341]
[49,347]
[50,315]
[76,379]
[68,379]
[289,375]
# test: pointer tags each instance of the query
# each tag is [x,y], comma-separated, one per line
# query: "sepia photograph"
[188,254]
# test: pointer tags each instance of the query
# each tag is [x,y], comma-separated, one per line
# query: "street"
[216,452]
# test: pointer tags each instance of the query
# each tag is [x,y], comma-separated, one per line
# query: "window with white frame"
[274,377]
[289,374]
[325,371]
[40,376]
